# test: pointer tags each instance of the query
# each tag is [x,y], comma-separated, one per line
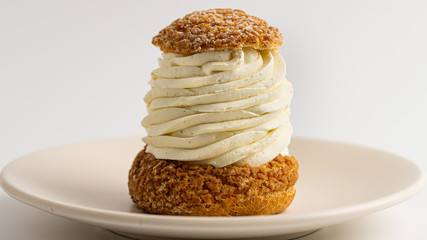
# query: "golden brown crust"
[176,188]
[217,29]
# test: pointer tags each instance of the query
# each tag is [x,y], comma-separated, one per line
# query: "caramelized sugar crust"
[176,188]
[217,29]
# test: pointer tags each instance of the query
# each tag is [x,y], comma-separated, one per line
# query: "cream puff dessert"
[218,124]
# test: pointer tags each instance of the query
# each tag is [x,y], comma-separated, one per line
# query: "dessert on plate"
[218,125]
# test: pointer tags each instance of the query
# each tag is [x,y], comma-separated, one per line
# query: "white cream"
[219,108]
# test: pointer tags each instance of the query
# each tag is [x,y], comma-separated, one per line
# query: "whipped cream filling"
[219,108]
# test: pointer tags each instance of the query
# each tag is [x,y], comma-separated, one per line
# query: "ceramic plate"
[87,182]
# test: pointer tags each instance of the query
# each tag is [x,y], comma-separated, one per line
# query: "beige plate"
[88,182]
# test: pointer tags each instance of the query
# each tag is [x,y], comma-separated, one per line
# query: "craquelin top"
[217,29]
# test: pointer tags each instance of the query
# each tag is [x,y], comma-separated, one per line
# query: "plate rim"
[142,221]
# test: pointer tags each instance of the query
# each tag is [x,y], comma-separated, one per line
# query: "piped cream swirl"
[219,108]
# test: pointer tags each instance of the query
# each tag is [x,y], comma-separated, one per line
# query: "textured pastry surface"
[217,29]
[176,188]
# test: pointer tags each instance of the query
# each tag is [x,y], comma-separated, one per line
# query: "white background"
[77,70]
